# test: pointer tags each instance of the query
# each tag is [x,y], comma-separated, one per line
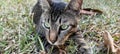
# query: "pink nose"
[53,37]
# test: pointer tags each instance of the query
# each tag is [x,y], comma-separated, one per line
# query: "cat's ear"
[45,4]
[74,5]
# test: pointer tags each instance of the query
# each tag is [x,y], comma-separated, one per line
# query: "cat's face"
[58,30]
[58,22]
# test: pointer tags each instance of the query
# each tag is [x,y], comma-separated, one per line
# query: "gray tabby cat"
[56,23]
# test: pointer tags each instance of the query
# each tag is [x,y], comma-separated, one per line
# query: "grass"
[16,24]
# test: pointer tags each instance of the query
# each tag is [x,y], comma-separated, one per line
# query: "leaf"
[116,34]
[109,42]
[118,51]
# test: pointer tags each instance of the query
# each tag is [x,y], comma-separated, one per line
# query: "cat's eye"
[47,25]
[64,26]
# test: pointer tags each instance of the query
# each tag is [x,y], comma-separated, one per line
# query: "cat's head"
[59,20]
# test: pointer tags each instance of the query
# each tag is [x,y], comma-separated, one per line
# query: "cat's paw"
[42,52]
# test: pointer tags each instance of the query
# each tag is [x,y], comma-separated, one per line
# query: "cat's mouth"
[57,42]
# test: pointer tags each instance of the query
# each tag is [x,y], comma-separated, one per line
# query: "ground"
[16,25]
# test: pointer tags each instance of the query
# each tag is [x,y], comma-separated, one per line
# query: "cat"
[57,22]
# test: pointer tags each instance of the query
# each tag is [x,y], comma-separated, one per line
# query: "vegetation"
[16,25]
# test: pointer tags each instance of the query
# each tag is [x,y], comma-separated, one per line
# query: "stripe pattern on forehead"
[56,10]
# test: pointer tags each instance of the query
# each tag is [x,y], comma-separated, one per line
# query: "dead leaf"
[116,34]
[118,51]
[90,11]
[108,41]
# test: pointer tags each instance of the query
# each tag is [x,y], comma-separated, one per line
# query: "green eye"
[47,25]
[64,26]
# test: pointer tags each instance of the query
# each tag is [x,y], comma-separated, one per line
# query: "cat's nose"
[53,37]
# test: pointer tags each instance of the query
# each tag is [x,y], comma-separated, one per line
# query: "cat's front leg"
[82,47]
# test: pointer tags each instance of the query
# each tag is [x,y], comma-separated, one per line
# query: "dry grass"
[16,25]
